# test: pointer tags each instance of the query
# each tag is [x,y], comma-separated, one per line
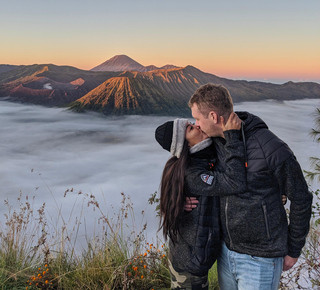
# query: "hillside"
[125,95]
[49,84]
[6,67]
[182,83]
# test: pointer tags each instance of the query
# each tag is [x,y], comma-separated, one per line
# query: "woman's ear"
[214,117]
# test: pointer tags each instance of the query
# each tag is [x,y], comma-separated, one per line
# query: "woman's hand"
[233,123]
[190,203]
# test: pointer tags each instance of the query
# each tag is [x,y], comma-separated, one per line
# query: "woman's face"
[194,135]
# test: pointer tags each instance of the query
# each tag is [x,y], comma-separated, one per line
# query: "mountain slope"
[182,82]
[119,63]
[6,67]
[49,84]
[125,95]
[168,66]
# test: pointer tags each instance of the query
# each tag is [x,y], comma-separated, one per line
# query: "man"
[258,243]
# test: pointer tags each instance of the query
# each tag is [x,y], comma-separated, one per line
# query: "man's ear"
[214,117]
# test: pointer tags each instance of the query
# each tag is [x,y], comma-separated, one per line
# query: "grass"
[36,255]
[39,253]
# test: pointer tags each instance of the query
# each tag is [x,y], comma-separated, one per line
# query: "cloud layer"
[45,151]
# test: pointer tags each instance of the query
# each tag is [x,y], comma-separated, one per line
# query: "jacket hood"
[251,122]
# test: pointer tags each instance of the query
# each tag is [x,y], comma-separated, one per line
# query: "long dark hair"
[172,196]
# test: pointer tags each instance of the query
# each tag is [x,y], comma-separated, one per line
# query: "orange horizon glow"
[245,69]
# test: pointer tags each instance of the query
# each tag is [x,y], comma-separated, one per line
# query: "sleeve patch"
[208,179]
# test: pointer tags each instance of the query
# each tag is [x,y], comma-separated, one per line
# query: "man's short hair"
[212,97]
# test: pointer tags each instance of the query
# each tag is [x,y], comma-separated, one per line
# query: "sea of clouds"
[46,151]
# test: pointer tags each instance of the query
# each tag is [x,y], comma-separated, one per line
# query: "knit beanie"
[171,136]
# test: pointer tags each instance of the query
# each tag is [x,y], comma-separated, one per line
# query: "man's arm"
[293,184]
[201,181]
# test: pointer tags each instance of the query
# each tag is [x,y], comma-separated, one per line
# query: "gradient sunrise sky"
[274,40]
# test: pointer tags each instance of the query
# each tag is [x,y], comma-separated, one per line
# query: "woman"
[195,170]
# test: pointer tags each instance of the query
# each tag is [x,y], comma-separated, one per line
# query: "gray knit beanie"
[171,136]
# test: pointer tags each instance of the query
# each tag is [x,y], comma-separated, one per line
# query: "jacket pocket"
[204,254]
[248,222]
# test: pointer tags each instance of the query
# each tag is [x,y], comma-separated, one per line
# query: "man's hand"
[288,262]
[284,199]
[233,123]
[191,203]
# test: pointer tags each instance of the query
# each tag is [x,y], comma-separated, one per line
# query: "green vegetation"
[315,161]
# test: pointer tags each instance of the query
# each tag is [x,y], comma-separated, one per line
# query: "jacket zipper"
[227,222]
[266,219]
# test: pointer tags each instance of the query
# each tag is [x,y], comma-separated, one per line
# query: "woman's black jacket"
[199,238]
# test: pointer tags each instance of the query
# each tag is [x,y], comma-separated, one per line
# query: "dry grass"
[36,255]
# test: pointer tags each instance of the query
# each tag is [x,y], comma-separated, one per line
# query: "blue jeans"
[244,272]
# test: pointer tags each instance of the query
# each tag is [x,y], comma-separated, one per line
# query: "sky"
[272,41]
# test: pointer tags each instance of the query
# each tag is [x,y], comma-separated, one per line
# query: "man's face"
[206,123]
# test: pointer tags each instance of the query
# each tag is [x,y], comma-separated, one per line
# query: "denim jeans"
[244,272]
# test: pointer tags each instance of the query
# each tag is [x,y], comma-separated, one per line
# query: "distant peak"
[170,66]
[119,63]
[121,56]
[190,66]
[122,62]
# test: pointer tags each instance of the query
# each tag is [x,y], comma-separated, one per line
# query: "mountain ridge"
[157,91]
[123,62]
